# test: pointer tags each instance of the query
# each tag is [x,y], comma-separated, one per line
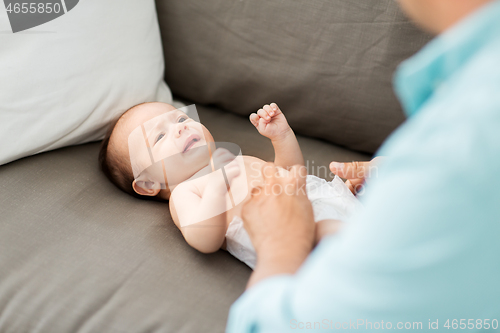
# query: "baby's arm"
[271,123]
[200,211]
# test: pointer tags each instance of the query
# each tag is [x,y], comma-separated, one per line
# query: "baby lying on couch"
[157,151]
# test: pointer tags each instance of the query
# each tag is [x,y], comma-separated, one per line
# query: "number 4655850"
[470,324]
[33,8]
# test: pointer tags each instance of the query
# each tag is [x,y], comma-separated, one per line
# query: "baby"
[157,151]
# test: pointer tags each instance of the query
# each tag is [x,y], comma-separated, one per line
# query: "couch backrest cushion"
[327,63]
[63,81]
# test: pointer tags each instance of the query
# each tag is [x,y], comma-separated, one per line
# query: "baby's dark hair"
[117,168]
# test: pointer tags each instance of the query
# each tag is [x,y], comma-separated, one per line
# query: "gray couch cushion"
[327,63]
[78,255]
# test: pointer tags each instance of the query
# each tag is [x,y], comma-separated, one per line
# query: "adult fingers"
[352,170]
[355,185]
[350,186]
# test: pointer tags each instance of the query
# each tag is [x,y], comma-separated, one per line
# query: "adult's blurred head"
[435,16]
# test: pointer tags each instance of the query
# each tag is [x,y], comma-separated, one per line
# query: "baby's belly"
[242,186]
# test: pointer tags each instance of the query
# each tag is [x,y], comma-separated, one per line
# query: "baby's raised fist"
[270,121]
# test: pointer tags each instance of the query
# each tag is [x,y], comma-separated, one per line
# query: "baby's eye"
[182,119]
[159,137]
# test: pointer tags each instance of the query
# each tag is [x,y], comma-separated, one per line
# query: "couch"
[79,255]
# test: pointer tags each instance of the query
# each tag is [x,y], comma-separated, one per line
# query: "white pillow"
[63,81]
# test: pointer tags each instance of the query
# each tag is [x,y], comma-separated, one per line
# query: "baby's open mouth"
[191,140]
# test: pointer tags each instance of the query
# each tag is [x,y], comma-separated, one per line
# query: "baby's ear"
[145,186]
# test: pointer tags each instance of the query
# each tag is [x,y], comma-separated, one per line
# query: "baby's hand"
[270,122]
[224,158]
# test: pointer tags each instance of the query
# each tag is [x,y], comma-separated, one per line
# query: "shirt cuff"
[265,307]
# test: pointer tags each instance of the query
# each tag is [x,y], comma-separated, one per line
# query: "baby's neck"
[200,173]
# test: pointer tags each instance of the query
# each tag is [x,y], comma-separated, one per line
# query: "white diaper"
[330,200]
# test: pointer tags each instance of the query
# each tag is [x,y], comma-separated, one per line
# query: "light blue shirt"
[426,250]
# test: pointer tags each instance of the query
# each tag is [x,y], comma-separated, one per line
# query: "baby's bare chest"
[238,188]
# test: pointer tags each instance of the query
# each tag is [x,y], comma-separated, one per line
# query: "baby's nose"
[179,128]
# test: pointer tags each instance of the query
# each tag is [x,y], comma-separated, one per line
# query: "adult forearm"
[287,150]
[279,259]
[288,259]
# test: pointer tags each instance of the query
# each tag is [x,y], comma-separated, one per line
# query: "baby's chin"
[183,166]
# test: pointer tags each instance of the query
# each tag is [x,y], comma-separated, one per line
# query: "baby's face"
[165,143]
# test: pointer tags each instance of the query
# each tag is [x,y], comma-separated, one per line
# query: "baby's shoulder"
[252,161]
[192,186]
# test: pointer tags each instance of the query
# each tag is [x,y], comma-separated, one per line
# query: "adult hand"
[279,220]
[355,172]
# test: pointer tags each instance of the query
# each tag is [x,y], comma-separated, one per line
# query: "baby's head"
[151,148]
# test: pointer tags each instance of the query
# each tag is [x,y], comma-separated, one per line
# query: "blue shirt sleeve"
[267,314]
